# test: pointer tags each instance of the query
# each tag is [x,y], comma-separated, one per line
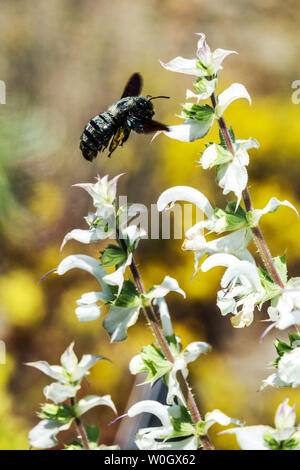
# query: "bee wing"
[133,86]
[149,126]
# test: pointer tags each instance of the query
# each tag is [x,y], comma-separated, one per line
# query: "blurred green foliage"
[65,61]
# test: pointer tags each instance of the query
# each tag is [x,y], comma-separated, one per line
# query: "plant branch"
[80,429]
[259,240]
[153,321]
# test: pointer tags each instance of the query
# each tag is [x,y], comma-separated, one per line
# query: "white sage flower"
[232,175]
[285,307]
[103,192]
[285,435]
[234,243]
[71,371]
[241,288]
[197,125]
[205,64]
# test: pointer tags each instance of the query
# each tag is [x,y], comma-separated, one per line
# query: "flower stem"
[153,321]
[258,237]
[80,429]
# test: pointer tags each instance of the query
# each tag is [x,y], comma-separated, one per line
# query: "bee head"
[144,108]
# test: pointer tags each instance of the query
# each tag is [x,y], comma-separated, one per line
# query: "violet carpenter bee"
[131,113]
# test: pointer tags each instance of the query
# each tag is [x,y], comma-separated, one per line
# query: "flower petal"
[174,387]
[184,193]
[203,50]
[90,401]
[56,372]
[220,259]
[204,88]
[88,309]
[133,233]
[271,207]
[242,268]
[182,65]
[169,284]
[274,381]
[69,359]
[86,313]
[43,435]
[285,416]
[288,319]
[218,56]
[248,144]
[189,131]
[193,350]
[103,191]
[232,177]
[89,264]
[84,236]
[143,442]
[215,155]
[164,316]
[153,407]
[136,365]
[235,242]
[58,392]
[216,416]
[289,368]
[251,437]
[119,320]
[116,278]
[234,92]
[88,360]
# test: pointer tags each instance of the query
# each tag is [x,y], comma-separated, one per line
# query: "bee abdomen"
[97,135]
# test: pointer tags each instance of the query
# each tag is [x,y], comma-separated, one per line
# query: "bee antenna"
[155,97]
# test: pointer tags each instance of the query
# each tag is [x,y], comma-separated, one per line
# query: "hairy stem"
[80,429]
[154,323]
[258,237]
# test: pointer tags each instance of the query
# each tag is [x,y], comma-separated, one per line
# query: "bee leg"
[116,140]
[126,135]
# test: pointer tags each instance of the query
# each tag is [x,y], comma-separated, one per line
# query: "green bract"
[196,112]
[112,255]
[153,361]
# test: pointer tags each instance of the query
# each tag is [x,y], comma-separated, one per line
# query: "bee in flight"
[131,113]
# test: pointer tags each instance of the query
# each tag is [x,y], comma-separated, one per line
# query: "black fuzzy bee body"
[97,134]
[114,125]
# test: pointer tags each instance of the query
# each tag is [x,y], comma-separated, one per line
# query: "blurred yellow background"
[65,61]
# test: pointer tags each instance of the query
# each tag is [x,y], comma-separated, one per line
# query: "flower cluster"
[59,416]
[119,295]
[244,285]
